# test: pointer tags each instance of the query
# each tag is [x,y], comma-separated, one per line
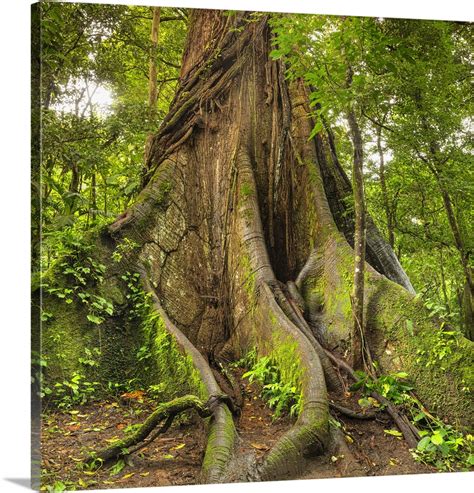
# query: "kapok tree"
[240,235]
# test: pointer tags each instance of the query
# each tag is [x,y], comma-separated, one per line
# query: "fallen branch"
[352,414]
[166,411]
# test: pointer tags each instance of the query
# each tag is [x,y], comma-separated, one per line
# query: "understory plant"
[282,395]
[441,445]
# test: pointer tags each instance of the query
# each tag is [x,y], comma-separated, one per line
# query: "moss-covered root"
[166,411]
[221,428]
[296,316]
[308,438]
[310,435]
[220,445]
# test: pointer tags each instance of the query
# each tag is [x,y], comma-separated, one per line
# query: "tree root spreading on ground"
[167,412]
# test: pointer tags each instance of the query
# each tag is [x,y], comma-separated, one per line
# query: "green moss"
[439,363]
[63,338]
[113,293]
[312,172]
[220,440]
[246,190]
[286,356]
[163,192]
[249,276]
[327,293]
[278,363]
[171,368]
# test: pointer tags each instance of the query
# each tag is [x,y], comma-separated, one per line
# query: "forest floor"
[175,458]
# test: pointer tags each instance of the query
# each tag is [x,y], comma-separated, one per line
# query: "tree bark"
[152,76]
[357,341]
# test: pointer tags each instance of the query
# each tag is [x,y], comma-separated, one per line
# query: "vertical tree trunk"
[73,189]
[443,281]
[458,241]
[383,186]
[93,197]
[152,77]
[434,165]
[357,342]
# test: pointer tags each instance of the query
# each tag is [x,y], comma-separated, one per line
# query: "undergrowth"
[281,389]
[166,371]
[441,445]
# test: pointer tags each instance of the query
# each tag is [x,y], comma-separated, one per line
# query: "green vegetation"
[280,380]
[166,371]
[95,113]
[441,445]
[409,92]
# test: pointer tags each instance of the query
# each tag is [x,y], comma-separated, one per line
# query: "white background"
[14,238]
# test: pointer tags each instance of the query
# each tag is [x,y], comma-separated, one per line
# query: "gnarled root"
[164,412]
[221,431]
[410,432]
[350,413]
[310,435]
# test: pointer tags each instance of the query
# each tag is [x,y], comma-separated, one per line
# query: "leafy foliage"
[282,395]
[95,115]
[441,445]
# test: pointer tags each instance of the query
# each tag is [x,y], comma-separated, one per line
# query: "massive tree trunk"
[238,203]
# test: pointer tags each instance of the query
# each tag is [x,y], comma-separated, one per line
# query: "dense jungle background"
[255,230]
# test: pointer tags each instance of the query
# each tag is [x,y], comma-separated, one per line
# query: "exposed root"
[410,432]
[166,411]
[293,313]
[310,435]
[221,432]
[350,413]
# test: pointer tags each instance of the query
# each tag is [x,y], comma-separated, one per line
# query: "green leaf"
[357,385]
[419,416]
[117,467]
[316,129]
[94,319]
[364,403]
[423,443]
[400,374]
[394,433]
[437,439]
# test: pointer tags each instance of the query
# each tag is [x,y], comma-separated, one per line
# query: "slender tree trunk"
[73,189]
[94,197]
[443,281]
[434,165]
[357,341]
[458,241]
[152,77]
[383,186]
[468,298]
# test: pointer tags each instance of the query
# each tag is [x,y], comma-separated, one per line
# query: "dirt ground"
[175,458]
[376,452]
[172,459]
